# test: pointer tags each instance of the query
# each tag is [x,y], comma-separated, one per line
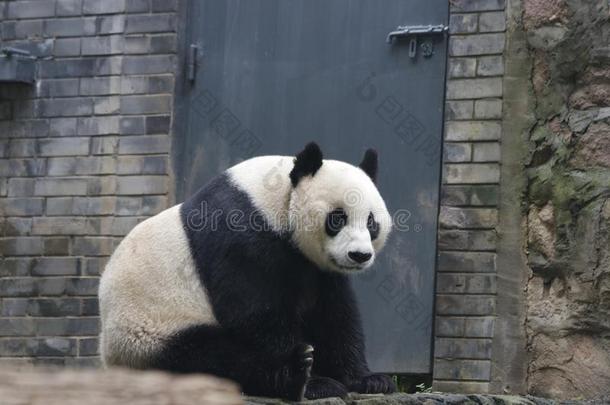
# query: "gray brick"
[84,286]
[65,27]
[476,262]
[137,6]
[56,266]
[90,306]
[25,29]
[58,187]
[67,326]
[447,304]
[471,173]
[16,266]
[105,145]
[21,167]
[490,66]
[479,327]
[102,185]
[134,65]
[16,226]
[66,107]
[106,45]
[459,369]
[98,125]
[58,87]
[462,67]
[16,207]
[492,22]
[103,7]
[61,226]
[56,246]
[93,246]
[13,307]
[117,226]
[22,147]
[100,85]
[114,24]
[132,125]
[482,240]
[62,127]
[462,23]
[146,104]
[142,165]
[63,146]
[20,187]
[469,195]
[474,88]
[106,105]
[486,152]
[137,44]
[158,124]
[460,218]
[150,23]
[51,287]
[21,246]
[88,347]
[459,109]
[70,166]
[30,9]
[476,5]
[480,44]
[472,131]
[164,5]
[67,47]
[54,346]
[457,348]
[17,327]
[457,152]
[144,144]
[30,128]
[68,7]
[164,43]
[92,266]
[80,67]
[473,327]
[93,205]
[59,206]
[448,283]
[488,108]
[134,185]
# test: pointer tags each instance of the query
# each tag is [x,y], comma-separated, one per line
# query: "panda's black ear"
[369,164]
[306,163]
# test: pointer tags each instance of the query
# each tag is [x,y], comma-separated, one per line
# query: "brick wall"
[466,278]
[83,158]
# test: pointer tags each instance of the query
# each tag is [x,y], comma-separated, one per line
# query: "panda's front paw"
[374,384]
[324,387]
[300,369]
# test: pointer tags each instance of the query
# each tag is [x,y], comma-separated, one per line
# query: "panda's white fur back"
[149,290]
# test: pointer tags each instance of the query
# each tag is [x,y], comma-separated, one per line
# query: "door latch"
[414,31]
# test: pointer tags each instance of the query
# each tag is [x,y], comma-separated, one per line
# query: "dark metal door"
[271,75]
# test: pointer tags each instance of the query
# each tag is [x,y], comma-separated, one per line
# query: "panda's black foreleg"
[208,349]
[335,330]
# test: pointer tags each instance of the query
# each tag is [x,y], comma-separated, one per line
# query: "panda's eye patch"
[335,220]
[372,226]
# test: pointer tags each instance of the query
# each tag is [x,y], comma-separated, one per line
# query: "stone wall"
[83,158]
[566,205]
[466,280]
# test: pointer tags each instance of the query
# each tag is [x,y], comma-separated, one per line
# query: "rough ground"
[424,399]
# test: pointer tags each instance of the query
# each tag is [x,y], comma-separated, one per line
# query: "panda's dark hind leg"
[208,349]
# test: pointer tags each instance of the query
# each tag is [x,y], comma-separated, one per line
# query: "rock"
[546,37]
[593,148]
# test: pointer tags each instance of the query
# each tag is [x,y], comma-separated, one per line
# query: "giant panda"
[248,279]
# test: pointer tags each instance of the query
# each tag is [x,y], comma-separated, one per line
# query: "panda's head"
[338,219]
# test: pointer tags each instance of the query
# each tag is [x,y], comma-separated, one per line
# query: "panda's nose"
[359,257]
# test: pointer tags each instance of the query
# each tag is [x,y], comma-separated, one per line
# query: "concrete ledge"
[424,399]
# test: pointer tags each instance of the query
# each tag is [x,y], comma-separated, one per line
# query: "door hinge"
[415,31]
[191,62]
